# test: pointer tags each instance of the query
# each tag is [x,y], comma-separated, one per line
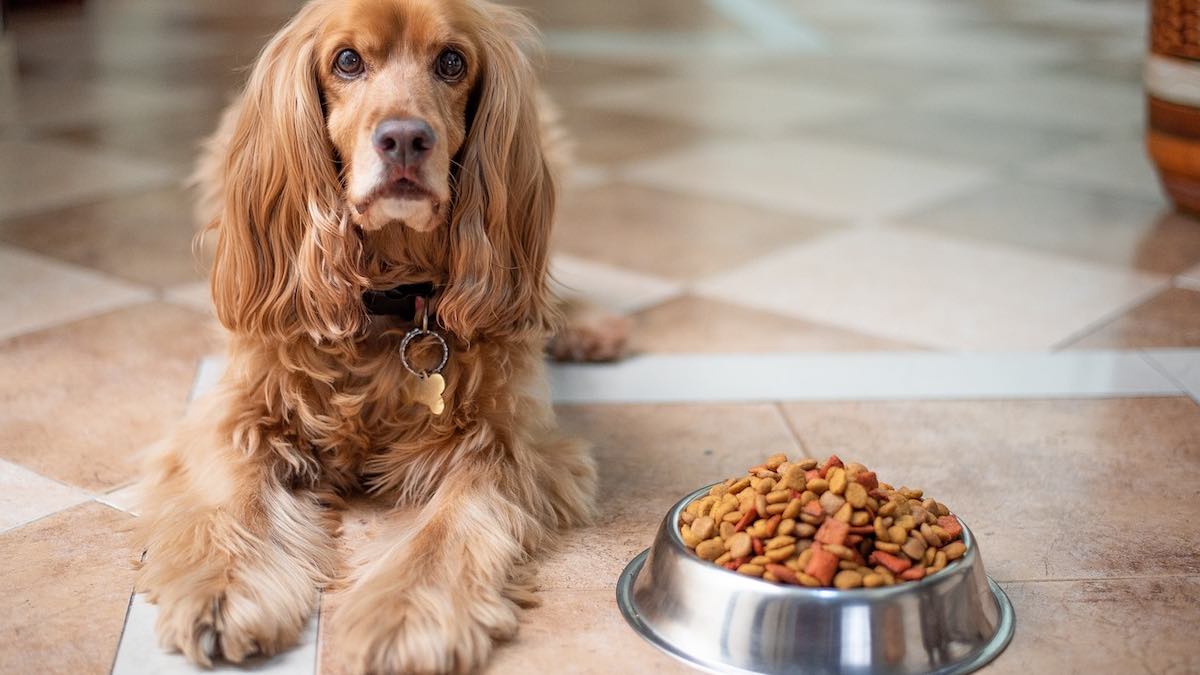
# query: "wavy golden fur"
[239,512]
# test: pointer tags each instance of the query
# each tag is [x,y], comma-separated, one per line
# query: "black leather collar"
[400,301]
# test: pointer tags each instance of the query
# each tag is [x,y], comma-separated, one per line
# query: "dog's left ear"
[504,195]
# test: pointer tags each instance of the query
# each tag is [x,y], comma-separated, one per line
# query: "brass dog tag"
[430,393]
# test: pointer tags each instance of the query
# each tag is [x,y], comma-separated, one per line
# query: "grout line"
[787,423]
[124,625]
[1171,377]
[1111,316]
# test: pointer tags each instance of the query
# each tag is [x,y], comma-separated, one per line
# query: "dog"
[381,197]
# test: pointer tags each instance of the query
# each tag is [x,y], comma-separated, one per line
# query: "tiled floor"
[919,233]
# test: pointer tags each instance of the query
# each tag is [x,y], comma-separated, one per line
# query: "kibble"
[821,524]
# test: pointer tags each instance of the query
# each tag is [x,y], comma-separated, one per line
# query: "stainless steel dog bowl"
[954,621]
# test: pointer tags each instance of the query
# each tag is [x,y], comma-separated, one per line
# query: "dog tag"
[430,392]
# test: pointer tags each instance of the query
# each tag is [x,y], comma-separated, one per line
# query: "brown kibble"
[914,548]
[780,554]
[704,527]
[843,514]
[840,551]
[872,580]
[751,570]
[955,550]
[830,503]
[740,545]
[856,495]
[848,579]
[710,549]
[740,485]
[887,546]
[897,534]
[793,508]
[786,526]
[806,580]
[760,504]
[860,518]
[780,541]
[804,530]
[818,485]
[689,536]
[775,460]
[727,530]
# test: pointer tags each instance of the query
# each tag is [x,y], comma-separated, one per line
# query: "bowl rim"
[966,562]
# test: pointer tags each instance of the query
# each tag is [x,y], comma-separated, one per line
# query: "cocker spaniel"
[381,198]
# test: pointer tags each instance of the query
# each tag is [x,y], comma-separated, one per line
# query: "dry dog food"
[821,524]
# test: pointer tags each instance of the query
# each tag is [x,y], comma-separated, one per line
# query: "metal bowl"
[954,621]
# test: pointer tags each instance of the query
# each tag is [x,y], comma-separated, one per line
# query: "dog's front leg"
[449,586]
[233,557]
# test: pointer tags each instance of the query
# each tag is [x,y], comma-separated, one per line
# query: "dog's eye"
[451,65]
[348,63]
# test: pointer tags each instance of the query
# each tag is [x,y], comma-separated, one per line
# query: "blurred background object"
[1173,99]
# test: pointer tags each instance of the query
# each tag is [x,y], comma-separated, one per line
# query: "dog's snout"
[404,142]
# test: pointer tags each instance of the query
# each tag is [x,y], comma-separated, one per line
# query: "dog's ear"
[504,194]
[287,260]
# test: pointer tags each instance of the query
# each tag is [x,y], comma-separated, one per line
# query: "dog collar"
[403,302]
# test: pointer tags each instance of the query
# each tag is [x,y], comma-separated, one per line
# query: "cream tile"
[738,104]
[609,287]
[1190,278]
[41,175]
[26,496]
[1112,626]
[1181,365]
[77,402]
[934,291]
[691,378]
[1034,479]
[808,176]
[1097,226]
[196,295]
[140,652]
[1078,103]
[124,499]
[1119,166]
[581,632]
[36,292]
[671,235]
[973,52]
[690,324]
[66,583]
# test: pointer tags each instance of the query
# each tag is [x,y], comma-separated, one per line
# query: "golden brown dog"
[378,143]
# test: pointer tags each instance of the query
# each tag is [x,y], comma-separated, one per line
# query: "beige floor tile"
[78,401]
[196,295]
[37,292]
[1111,626]
[1115,166]
[580,632]
[607,286]
[738,105]
[41,175]
[1170,319]
[612,137]
[625,15]
[970,51]
[934,291]
[953,136]
[26,496]
[66,583]
[809,175]
[671,235]
[146,238]
[1047,486]
[1100,226]
[698,325]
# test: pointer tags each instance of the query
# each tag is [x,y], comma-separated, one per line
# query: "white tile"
[691,378]
[139,652]
[809,176]
[27,496]
[740,105]
[39,292]
[41,175]
[973,51]
[1190,278]
[1120,166]
[609,287]
[124,499]
[1181,365]
[207,375]
[196,295]
[934,291]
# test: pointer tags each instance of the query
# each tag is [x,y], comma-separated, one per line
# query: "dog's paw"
[592,336]
[227,626]
[425,628]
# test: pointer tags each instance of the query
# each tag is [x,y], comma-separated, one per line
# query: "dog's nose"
[405,142]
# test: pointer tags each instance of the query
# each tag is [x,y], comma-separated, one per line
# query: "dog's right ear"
[287,260]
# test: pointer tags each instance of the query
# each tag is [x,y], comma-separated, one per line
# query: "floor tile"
[612,288]
[740,106]
[953,136]
[611,137]
[692,324]
[580,632]
[671,235]
[145,237]
[41,175]
[196,295]
[1032,478]
[626,15]
[708,378]
[1089,225]
[78,402]
[1114,166]
[26,496]
[935,291]
[974,51]
[1169,319]
[67,580]
[809,176]
[1114,626]
[1182,366]
[37,292]
[173,138]
[1077,103]
[139,651]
